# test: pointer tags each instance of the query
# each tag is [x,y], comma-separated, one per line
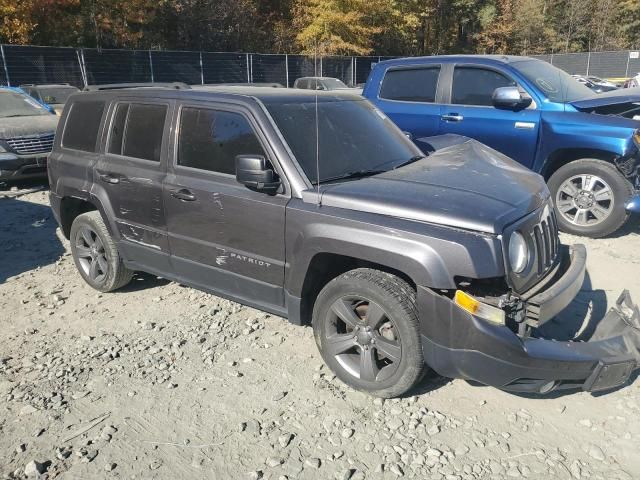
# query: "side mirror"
[254,172]
[510,97]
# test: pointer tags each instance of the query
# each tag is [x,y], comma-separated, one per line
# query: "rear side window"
[411,84]
[475,86]
[117,129]
[83,124]
[211,139]
[137,131]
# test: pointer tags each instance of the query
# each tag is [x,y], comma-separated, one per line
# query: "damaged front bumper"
[458,344]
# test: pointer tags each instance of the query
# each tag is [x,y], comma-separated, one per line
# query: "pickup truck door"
[223,237]
[408,96]
[469,111]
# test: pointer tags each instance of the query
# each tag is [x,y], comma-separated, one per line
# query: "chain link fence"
[620,64]
[89,66]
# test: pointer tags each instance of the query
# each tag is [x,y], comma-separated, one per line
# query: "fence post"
[83,68]
[286,68]
[355,70]
[626,72]
[201,70]
[248,74]
[4,63]
[251,69]
[588,62]
[151,65]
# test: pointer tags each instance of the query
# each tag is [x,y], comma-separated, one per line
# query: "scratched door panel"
[228,227]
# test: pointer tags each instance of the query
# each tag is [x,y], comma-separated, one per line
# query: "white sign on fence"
[634,55]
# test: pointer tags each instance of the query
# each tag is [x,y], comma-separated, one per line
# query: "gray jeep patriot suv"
[317,208]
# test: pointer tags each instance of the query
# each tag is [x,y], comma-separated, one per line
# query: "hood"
[467,185]
[28,125]
[614,97]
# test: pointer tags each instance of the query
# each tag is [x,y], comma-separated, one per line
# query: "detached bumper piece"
[457,344]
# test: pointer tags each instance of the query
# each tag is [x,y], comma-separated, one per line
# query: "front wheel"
[589,197]
[365,323]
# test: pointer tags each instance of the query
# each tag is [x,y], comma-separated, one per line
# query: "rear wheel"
[365,324]
[96,255]
[589,197]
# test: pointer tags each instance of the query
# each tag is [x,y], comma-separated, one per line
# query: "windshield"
[333,83]
[353,136]
[56,95]
[555,84]
[14,104]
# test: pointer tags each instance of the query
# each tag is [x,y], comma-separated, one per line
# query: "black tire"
[612,211]
[390,347]
[92,246]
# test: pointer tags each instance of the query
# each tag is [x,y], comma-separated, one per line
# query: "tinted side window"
[475,86]
[83,123]
[211,139]
[411,84]
[143,131]
[117,129]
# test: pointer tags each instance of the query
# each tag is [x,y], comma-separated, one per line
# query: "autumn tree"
[16,22]
[330,27]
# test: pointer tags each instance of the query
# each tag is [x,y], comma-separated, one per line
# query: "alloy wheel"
[91,255]
[585,200]
[362,338]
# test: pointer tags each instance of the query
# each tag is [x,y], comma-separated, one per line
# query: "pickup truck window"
[211,139]
[555,84]
[83,123]
[353,136]
[475,86]
[143,127]
[411,84]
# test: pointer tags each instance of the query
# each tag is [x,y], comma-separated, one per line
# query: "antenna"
[317,131]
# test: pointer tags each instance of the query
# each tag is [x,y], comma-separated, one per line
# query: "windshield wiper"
[353,174]
[410,161]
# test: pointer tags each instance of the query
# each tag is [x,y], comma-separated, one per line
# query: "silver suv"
[26,136]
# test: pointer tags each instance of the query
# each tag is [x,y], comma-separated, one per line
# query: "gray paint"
[434,220]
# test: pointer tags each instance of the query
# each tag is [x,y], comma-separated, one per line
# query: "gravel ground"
[159,381]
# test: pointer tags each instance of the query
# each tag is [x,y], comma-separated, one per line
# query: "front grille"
[545,241]
[540,228]
[31,144]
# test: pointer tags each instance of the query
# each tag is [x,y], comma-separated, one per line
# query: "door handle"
[109,178]
[183,194]
[452,117]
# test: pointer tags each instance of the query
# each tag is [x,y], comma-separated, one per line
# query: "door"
[223,236]
[130,173]
[407,96]
[470,112]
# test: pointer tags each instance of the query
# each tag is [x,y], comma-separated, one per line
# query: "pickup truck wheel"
[589,197]
[95,254]
[365,323]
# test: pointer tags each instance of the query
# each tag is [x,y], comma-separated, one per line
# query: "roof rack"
[118,86]
[62,84]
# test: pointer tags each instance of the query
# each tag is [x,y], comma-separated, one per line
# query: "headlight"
[2,149]
[518,252]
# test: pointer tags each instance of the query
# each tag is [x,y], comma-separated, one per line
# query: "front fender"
[431,255]
[578,131]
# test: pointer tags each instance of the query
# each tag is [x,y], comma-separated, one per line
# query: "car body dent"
[431,255]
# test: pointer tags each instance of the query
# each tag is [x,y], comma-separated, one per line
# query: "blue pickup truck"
[587,146]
